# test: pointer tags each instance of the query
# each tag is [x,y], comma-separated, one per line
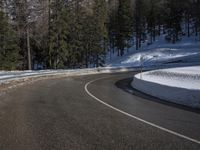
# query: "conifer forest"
[68,34]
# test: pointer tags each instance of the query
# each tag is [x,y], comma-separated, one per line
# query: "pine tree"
[139,22]
[173,18]
[76,35]
[63,34]
[187,10]
[153,18]
[112,25]
[124,26]
[59,31]
[196,15]
[100,31]
[88,39]
[9,50]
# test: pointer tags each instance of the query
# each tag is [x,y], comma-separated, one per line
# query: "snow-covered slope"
[179,85]
[160,53]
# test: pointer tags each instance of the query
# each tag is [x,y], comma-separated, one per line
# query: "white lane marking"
[134,117]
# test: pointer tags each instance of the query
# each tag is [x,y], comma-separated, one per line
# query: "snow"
[7,76]
[160,54]
[178,85]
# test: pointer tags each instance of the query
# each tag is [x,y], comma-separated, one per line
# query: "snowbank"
[8,76]
[178,85]
[160,54]
[13,79]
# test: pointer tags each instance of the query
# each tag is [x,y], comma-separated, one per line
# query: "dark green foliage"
[79,33]
[77,37]
[59,32]
[9,50]
[124,26]
[100,31]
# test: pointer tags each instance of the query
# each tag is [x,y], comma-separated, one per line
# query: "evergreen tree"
[9,50]
[59,33]
[196,15]
[139,22]
[187,12]
[153,18]
[173,18]
[112,25]
[100,31]
[76,34]
[124,26]
[88,31]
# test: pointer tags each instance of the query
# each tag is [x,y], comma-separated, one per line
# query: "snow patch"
[178,85]
[160,53]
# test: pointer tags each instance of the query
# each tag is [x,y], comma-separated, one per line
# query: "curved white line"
[134,117]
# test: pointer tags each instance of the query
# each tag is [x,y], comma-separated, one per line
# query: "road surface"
[94,112]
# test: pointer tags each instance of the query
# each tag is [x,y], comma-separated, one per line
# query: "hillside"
[159,54]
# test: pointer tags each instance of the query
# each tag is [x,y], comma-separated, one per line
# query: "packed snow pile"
[160,54]
[178,85]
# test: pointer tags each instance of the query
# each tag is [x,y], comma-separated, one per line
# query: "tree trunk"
[28,49]
[188,25]
[137,40]
[49,35]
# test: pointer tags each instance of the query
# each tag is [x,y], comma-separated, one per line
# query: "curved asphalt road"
[58,114]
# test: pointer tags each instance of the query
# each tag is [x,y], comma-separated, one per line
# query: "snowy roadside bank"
[178,85]
[11,79]
[14,75]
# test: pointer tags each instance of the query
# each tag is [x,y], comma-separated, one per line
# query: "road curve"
[59,114]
